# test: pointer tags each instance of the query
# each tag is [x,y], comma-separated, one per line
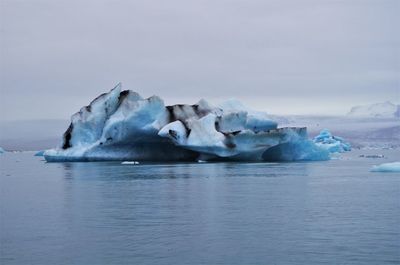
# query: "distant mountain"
[379,110]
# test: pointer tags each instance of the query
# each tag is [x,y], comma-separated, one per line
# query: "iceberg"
[39,153]
[302,150]
[333,144]
[121,125]
[2,150]
[387,167]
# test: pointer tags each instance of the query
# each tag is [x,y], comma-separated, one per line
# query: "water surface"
[333,212]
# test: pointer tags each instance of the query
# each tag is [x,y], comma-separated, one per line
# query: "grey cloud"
[281,56]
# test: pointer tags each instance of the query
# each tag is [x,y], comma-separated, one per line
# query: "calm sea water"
[334,212]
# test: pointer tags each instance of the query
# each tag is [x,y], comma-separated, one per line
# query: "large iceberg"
[121,125]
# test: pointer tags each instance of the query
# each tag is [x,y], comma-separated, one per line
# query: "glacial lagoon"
[329,212]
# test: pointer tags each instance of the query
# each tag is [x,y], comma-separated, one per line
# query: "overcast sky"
[289,57]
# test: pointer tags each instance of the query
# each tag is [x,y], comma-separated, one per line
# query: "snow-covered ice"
[387,167]
[378,110]
[121,125]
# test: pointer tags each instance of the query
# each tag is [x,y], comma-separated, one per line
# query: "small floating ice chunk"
[130,163]
[387,167]
[334,144]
